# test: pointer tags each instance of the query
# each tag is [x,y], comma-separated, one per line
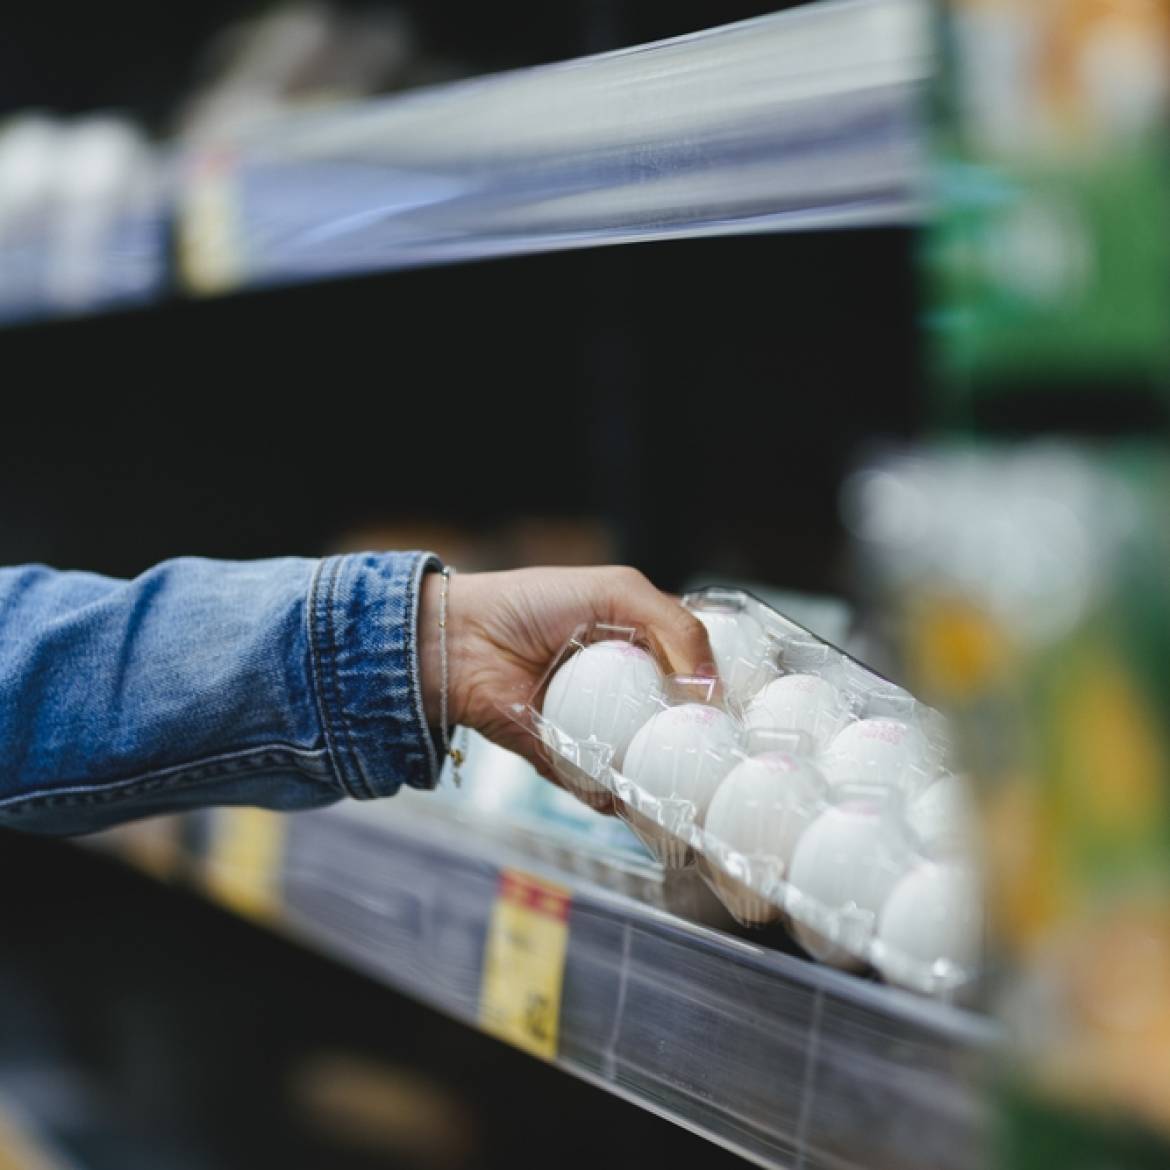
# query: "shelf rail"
[805,119]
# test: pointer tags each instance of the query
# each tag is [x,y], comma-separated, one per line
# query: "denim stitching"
[270,758]
[329,687]
[341,713]
[330,659]
[318,671]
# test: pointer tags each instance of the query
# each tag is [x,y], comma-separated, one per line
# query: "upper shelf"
[804,119]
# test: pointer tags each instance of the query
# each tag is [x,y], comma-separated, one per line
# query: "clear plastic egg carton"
[809,790]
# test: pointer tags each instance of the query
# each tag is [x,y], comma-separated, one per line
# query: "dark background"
[700,396]
[77,57]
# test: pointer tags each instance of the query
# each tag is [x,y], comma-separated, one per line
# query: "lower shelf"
[785,1062]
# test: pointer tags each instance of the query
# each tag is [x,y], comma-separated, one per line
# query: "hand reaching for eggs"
[504,630]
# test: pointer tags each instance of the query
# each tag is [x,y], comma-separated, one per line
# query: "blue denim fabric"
[283,683]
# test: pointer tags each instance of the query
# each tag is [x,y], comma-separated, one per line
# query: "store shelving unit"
[806,119]
[783,1061]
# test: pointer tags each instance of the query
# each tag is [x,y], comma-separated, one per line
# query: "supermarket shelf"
[802,120]
[785,1062]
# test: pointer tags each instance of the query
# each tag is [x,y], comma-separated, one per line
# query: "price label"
[243,869]
[210,252]
[524,963]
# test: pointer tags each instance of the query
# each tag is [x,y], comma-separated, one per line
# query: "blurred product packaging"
[302,55]
[1049,264]
[1031,589]
[1029,583]
[81,215]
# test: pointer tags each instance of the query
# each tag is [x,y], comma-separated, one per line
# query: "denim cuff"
[363,629]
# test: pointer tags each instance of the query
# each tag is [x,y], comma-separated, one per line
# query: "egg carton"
[808,789]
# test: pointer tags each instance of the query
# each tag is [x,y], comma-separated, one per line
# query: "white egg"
[759,811]
[599,698]
[841,864]
[931,926]
[798,702]
[878,751]
[943,817]
[678,758]
[741,651]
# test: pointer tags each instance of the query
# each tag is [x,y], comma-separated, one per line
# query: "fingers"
[680,636]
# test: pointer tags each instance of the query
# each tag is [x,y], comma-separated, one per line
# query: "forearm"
[285,683]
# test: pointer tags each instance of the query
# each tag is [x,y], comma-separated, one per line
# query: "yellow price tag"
[243,870]
[210,252]
[524,963]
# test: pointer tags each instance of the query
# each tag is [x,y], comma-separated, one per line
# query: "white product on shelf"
[560,809]
[678,758]
[29,172]
[103,165]
[799,702]
[882,751]
[840,875]
[932,922]
[600,697]
[496,782]
[757,816]
[943,816]
[741,651]
[29,153]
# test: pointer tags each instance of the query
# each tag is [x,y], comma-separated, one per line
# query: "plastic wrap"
[799,120]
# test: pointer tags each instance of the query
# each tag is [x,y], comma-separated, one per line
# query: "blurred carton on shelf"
[300,56]
[1049,258]
[1060,76]
[82,211]
[1032,592]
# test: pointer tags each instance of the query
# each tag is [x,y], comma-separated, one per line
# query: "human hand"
[504,629]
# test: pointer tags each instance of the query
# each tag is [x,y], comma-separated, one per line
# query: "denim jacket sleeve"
[283,683]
